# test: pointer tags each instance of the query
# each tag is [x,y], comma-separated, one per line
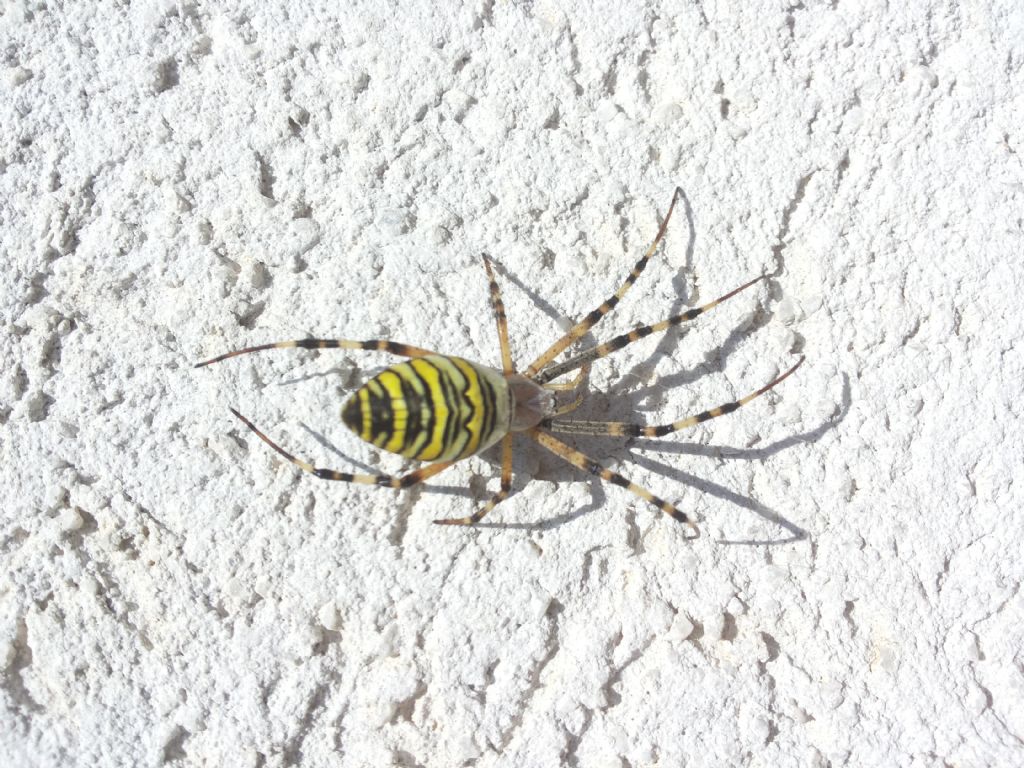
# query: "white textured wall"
[177,180]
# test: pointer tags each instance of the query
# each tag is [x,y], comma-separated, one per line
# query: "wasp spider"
[442,409]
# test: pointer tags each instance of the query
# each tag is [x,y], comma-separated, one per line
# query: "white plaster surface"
[178,179]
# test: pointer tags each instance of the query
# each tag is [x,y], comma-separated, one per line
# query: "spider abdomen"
[433,408]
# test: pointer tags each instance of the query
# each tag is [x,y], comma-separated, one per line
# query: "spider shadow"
[632,454]
[756,454]
[668,339]
[542,304]
[749,454]
[620,403]
[597,501]
[311,376]
[671,337]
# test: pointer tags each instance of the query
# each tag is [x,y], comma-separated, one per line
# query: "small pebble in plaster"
[606,110]
[259,277]
[37,405]
[832,694]
[8,652]
[388,645]
[15,76]
[714,627]
[358,80]
[882,656]
[736,607]
[971,650]
[88,585]
[669,113]
[464,749]
[302,640]
[976,700]
[329,617]
[458,103]
[56,497]
[237,589]
[785,311]
[539,604]
[305,234]
[71,520]
[681,628]
[919,80]
[439,235]
[759,731]
[265,588]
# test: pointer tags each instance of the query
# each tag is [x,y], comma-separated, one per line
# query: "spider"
[442,409]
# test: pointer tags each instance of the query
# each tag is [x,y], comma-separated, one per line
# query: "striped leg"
[568,386]
[381,345]
[496,499]
[576,385]
[570,407]
[499,316]
[602,350]
[623,429]
[387,481]
[587,464]
[588,322]
[571,386]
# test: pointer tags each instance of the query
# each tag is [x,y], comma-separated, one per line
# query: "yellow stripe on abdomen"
[436,407]
[471,409]
[433,408]
[391,381]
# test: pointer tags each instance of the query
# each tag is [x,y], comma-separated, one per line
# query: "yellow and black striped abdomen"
[433,408]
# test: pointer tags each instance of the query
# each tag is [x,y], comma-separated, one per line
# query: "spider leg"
[381,345]
[568,386]
[387,481]
[603,350]
[624,429]
[576,385]
[499,315]
[587,464]
[570,407]
[501,495]
[506,441]
[588,322]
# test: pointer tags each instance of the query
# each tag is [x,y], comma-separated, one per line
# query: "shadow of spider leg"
[626,429]
[587,464]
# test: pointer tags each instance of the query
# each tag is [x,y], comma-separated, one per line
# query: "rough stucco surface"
[176,181]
